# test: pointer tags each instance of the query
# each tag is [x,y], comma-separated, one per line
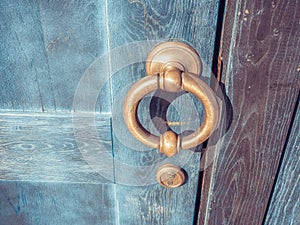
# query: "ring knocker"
[173,67]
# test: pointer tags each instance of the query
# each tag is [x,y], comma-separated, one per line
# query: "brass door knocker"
[173,67]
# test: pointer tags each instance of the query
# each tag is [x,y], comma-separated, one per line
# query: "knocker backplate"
[175,54]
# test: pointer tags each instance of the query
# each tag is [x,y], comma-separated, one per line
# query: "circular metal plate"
[173,53]
[170,176]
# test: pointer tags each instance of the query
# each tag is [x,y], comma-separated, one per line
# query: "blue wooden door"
[66,156]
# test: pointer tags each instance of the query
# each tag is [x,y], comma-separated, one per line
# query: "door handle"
[172,67]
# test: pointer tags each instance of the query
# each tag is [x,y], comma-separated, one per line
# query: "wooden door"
[65,68]
[66,156]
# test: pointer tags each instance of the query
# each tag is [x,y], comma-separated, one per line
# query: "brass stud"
[170,176]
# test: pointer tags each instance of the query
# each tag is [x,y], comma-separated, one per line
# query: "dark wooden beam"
[260,57]
[285,202]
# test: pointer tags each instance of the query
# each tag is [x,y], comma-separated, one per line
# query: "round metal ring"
[190,83]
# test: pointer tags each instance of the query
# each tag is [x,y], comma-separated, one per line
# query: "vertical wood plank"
[46,47]
[261,71]
[285,201]
[74,36]
[25,83]
[129,21]
[56,203]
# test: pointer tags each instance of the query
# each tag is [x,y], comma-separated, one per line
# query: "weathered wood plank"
[135,164]
[261,73]
[25,82]
[74,36]
[153,204]
[43,147]
[57,203]
[46,47]
[285,202]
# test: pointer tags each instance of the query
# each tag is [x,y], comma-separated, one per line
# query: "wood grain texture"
[261,73]
[144,201]
[74,35]
[154,204]
[31,203]
[62,39]
[285,201]
[43,147]
[23,63]
[46,47]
